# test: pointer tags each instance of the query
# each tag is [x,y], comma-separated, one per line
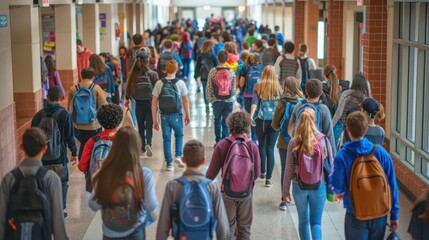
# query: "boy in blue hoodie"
[357,126]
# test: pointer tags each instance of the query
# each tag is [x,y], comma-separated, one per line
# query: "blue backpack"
[169,99]
[316,110]
[253,76]
[286,118]
[99,154]
[266,109]
[84,107]
[192,215]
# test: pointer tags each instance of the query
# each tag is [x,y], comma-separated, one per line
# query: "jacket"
[199,64]
[278,116]
[232,62]
[66,128]
[340,177]
[89,146]
[83,61]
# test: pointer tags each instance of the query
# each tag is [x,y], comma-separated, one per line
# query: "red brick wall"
[7,139]
[299,23]
[27,104]
[335,36]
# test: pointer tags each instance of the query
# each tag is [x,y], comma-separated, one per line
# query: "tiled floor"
[268,222]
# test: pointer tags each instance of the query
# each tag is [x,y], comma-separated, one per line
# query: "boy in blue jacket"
[357,126]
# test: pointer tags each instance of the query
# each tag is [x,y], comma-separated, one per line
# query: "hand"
[73,160]
[340,197]
[127,103]
[187,119]
[393,225]
[156,126]
[253,123]
[287,198]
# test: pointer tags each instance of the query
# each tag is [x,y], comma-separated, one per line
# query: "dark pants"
[247,107]
[115,99]
[221,110]
[282,154]
[186,68]
[82,136]
[204,83]
[364,230]
[138,234]
[240,216]
[63,172]
[267,138]
[144,122]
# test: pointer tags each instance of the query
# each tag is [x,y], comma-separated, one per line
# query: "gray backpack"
[143,89]
[288,67]
[50,127]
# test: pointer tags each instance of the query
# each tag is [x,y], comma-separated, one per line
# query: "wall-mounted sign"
[103,25]
[360,2]
[4,22]
[44,3]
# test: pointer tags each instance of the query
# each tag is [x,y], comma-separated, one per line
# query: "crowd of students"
[326,133]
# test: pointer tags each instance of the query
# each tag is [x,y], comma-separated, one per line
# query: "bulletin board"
[48,29]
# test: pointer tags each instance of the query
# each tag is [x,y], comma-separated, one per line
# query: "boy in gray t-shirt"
[373,110]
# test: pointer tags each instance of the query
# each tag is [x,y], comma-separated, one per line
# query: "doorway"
[359,29]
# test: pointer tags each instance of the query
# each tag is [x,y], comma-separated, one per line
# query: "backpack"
[99,153]
[169,98]
[305,72]
[284,123]
[316,110]
[369,188]
[162,63]
[223,83]
[266,109]
[238,169]
[123,216]
[206,66]
[288,67]
[185,50]
[269,56]
[192,214]
[143,89]
[29,212]
[102,80]
[253,76]
[49,125]
[84,107]
[132,56]
[309,169]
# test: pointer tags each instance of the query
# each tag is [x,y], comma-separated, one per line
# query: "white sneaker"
[169,166]
[179,163]
[149,152]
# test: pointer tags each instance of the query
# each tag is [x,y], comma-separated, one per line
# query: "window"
[425,169]
[413,22]
[411,93]
[425,123]
[427,23]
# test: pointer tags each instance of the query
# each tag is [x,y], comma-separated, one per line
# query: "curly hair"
[239,122]
[110,116]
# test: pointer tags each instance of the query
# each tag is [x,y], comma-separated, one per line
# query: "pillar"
[65,36]
[139,18]
[108,40]
[299,22]
[122,10]
[7,107]
[91,27]
[335,36]
[311,29]
[131,18]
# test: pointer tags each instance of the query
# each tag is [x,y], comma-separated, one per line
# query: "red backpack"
[238,170]
[309,169]
[223,83]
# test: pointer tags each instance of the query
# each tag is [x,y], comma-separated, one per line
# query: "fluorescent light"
[207,7]
[241,8]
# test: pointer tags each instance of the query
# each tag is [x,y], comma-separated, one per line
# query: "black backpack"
[50,127]
[206,66]
[163,59]
[29,213]
[169,98]
[305,75]
[143,89]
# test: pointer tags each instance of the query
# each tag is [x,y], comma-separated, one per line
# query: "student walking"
[265,97]
[374,111]
[166,56]
[307,64]
[54,76]
[419,223]
[185,52]
[83,55]
[103,75]
[124,190]
[288,65]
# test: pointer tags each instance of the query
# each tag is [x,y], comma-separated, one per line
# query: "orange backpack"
[369,189]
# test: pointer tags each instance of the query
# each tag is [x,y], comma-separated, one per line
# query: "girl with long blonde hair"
[308,144]
[265,98]
[291,96]
[123,182]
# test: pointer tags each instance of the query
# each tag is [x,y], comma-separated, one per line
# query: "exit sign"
[44,3]
[360,2]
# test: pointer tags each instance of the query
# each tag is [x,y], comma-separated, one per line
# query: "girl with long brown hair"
[103,75]
[54,76]
[264,102]
[122,183]
[307,144]
[291,96]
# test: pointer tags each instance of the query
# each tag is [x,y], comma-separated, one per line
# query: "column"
[311,29]
[91,27]
[131,18]
[299,22]
[335,36]
[108,18]
[7,107]
[65,35]
[139,18]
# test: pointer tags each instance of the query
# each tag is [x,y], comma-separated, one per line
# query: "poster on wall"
[48,29]
[103,26]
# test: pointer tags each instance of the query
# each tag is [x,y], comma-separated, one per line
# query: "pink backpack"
[223,83]
[309,169]
[238,169]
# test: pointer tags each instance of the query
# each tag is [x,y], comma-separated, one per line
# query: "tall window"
[410,87]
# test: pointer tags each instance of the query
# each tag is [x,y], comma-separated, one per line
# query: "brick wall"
[27,104]
[7,139]
[299,23]
[335,36]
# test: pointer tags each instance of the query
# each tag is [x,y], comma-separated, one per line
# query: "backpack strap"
[18,175]
[92,86]
[77,87]
[182,181]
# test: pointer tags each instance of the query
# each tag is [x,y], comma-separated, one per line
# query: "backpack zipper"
[372,176]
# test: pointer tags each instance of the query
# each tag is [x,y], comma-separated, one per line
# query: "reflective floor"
[268,221]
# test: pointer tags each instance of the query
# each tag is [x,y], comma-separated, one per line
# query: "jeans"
[144,122]
[282,154]
[138,234]
[240,216]
[168,123]
[247,107]
[186,68]
[115,99]
[309,205]
[364,229]
[83,136]
[204,83]
[63,172]
[221,110]
[267,138]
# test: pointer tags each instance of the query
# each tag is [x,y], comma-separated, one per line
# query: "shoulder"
[53,180]
[323,108]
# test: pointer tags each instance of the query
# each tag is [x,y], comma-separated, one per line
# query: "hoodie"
[232,61]
[340,177]
[83,61]
[66,128]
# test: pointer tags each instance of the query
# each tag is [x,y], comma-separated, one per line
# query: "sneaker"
[262,176]
[149,152]
[143,150]
[179,163]
[283,206]
[66,215]
[268,183]
[169,166]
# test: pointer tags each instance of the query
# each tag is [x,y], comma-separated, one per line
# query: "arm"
[59,83]
[179,61]
[288,175]
[150,201]
[101,96]
[70,98]
[242,81]
[338,175]
[298,72]
[257,159]
[219,211]
[312,64]
[56,200]
[209,88]
[86,156]
[234,82]
[69,135]
[327,128]
[255,102]
[291,125]
[340,108]
[154,112]
[277,66]
[215,164]
[185,102]
[164,223]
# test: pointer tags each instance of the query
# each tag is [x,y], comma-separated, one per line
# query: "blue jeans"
[172,122]
[63,172]
[186,67]
[282,154]
[247,107]
[221,110]
[309,205]
[364,230]
[267,138]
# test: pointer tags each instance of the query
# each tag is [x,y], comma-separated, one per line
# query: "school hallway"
[269,222]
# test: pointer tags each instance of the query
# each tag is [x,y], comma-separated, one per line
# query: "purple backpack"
[238,169]
[309,169]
